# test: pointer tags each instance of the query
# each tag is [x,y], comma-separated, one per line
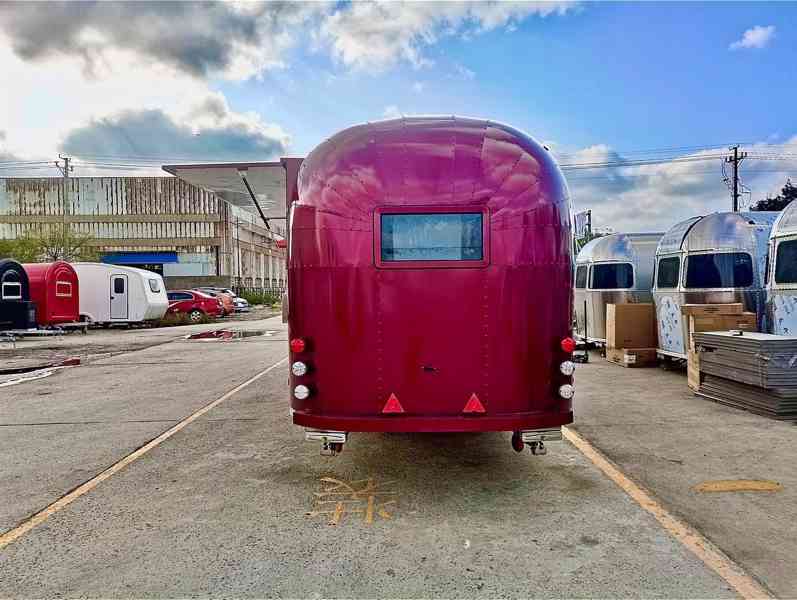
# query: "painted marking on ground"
[44,514]
[714,558]
[738,485]
[338,498]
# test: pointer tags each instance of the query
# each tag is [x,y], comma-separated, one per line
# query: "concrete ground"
[237,504]
[31,352]
[669,440]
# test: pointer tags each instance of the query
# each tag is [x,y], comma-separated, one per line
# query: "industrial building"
[186,232]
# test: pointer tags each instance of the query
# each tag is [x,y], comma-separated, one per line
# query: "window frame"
[774,266]
[431,210]
[152,281]
[591,276]
[59,294]
[677,285]
[586,277]
[685,270]
[10,283]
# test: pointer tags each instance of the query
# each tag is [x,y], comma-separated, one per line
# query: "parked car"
[197,305]
[241,304]
[228,306]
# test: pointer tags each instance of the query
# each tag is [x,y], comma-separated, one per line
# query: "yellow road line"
[745,585]
[44,514]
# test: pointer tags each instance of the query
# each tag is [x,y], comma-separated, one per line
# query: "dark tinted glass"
[432,236]
[731,269]
[786,262]
[581,277]
[612,277]
[667,276]
[118,286]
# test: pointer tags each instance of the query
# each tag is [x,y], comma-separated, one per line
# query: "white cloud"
[463,72]
[232,40]
[391,112]
[376,35]
[418,87]
[755,37]
[655,197]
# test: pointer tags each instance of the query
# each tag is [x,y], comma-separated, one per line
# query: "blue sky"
[630,75]
[596,81]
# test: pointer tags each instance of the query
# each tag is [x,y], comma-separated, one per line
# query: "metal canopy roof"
[267,181]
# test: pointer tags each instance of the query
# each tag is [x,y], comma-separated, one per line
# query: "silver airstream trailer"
[782,274]
[715,259]
[613,269]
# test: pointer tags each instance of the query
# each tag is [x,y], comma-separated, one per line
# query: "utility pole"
[66,168]
[735,160]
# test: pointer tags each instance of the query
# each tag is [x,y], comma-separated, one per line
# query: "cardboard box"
[721,322]
[632,357]
[630,326]
[735,308]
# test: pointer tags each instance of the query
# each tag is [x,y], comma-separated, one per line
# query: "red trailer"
[55,290]
[430,285]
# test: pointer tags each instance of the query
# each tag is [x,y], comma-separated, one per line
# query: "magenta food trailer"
[429,278]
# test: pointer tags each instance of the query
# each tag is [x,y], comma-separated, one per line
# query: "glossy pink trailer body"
[431,332]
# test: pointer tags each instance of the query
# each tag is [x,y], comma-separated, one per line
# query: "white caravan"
[114,294]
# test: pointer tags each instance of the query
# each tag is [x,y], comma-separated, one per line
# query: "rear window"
[63,289]
[11,291]
[581,277]
[786,262]
[154,285]
[667,274]
[612,277]
[431,236]
[727,270]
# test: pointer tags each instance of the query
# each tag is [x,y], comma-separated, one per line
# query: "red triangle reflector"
[474,405]
[393,405]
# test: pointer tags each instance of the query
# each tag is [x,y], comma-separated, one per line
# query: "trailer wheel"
[195,316]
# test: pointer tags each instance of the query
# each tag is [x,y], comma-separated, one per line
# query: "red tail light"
[297,345]
[568,344]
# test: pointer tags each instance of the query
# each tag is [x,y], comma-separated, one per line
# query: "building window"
[726,270]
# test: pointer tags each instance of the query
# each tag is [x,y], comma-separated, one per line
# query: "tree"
[50,245]
[779,202]
[24,249]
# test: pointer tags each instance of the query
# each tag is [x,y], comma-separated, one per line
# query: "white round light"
[566,391]
[298,368]
[300,392]
[567,368]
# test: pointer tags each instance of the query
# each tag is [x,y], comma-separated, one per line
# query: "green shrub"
[254,298]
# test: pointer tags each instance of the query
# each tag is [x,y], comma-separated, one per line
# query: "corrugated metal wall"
[105,196]
[143,214]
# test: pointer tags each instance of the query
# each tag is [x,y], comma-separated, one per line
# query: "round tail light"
[299,368]
[301,392]
[568,344]
[566,391]
[297,345]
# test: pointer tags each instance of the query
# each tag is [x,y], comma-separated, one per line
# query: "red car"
[196,305]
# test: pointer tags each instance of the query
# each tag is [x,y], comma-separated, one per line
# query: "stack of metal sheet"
[753,371]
